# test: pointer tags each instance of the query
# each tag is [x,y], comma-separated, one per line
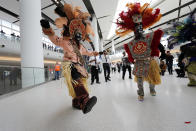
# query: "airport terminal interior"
[97,65]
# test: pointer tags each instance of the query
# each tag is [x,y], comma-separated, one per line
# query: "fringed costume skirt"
[148,70]
[73,78]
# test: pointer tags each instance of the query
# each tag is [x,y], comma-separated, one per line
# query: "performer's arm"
[87,53]
[67,55]
[47,30]
[155,42]
[129,53]
[91,59]
[56,40]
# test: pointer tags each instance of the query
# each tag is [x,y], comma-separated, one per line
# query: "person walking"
[106,66]
[57,71]
[119,65]
[113,66]
[94,63]
[126,65]
[169,62]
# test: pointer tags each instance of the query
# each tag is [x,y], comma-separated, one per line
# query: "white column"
[96,37]
[101,45]
[32,63]
[113,48]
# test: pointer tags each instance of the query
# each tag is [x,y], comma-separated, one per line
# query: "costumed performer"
[76,27]
[186,32]
[143,50]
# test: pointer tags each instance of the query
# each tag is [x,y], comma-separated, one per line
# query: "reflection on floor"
[48,108]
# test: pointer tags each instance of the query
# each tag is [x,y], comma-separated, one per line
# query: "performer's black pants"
[124,71]
[106,68]
[94,74]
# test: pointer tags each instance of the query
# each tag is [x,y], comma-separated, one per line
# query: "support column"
[32,60]
[96,37]
[101,45]
[113,48]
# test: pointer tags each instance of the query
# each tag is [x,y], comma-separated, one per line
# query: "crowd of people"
[12,34]
[123,65]
[45,46]
[104,62]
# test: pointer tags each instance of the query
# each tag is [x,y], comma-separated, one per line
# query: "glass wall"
[11,77]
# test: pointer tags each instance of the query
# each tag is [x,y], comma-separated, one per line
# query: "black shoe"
[98,82]
[123,78]
[92,83]
[108,79]
[130,77]
[89,105]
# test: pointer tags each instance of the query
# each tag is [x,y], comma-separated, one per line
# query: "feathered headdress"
[125,21]
[73,19]
[184,31]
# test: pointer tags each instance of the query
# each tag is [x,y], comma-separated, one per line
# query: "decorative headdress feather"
[183,31]
[68,9]
[74,19]
[125,22]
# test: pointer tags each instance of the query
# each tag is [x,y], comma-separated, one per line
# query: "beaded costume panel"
[141,52]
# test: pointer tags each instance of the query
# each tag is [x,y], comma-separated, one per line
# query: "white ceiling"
[104,8]
[165,6]
[101,8]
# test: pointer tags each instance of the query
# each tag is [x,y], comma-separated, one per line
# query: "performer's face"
[138,30]
[137,19]
[65,31]
[78,36]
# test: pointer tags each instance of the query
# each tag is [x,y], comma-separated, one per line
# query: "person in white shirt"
[106,66]
[94,62]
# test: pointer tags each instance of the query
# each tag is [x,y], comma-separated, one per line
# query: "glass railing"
[13,78]
[32,76]
[14,41]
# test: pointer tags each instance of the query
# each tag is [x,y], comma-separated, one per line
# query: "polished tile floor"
[48,108]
